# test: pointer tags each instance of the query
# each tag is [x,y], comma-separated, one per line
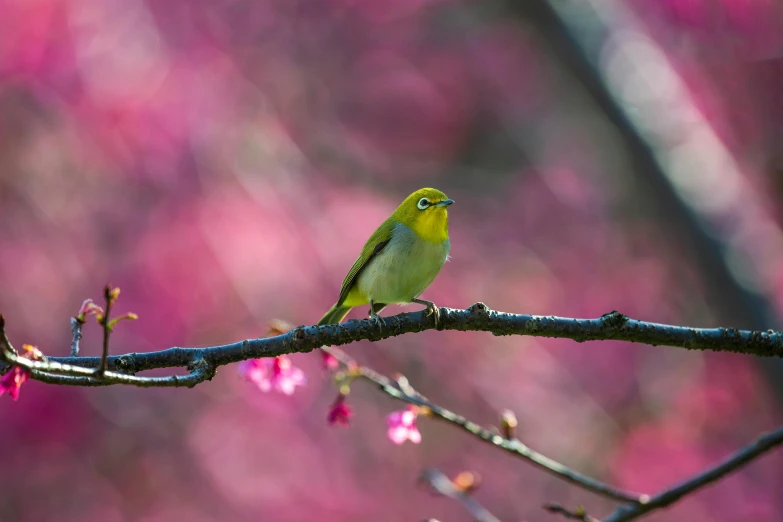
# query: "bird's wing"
[378,240]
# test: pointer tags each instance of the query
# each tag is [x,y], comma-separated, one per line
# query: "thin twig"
[443,485]
[76,331]
[199,372]
[110,297]
[757,448]
[53,372]
[5,345]
[512,446]
[578,514]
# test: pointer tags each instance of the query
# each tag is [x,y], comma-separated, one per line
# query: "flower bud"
[467,481]
[508,424]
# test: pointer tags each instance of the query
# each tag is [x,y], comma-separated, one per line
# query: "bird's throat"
[433,226]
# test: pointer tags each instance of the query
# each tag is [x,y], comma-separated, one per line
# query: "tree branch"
[578,514]
[6,349]
[109,297]
[446,487]
[403,391]
[512,446]
[202,364]
[611,326]
[303,339]
[757,448]
[76,333]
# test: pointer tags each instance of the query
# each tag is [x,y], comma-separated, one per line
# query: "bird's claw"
[435,311]
[378,320]
[432,309]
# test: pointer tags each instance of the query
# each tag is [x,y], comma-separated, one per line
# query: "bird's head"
[425,213]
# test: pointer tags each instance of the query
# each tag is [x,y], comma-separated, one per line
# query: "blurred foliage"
[224,161]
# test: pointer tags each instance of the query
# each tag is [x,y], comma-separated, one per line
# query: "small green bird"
[400,260]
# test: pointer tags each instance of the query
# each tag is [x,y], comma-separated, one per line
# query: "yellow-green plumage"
[401,258]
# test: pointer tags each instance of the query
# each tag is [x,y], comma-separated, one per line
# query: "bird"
[400,260]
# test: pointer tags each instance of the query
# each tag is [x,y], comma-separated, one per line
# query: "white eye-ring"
[423,203]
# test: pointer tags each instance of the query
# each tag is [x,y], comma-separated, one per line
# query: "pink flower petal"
[12,381]
[277,373]
[256,374]
[286,385]
[394,419]
[263,384]
[330,361]
[298,377]
[398,435]
[339,413]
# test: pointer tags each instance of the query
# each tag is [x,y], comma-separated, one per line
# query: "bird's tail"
[335,315]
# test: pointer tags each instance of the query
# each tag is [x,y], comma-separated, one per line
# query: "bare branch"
[303,339]
[446,487]
[513,446]
[76,332]
[110,296]
[6,349]
[199,372]
[53,372]
[577,514]
[757,448]
[202,364]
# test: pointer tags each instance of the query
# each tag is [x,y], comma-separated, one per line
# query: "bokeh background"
[223,162]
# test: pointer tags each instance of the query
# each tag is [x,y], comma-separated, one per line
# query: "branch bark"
[303,339]
[403,391]
[757,448]
[444,486]
[202,363]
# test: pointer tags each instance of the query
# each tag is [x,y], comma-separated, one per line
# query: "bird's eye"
[423,203]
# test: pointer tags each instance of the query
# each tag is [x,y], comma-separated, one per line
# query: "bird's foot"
[432,309]
[378,320]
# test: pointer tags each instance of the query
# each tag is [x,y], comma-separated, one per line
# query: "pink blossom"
[277,373]
[17,376]
[89,308]
[13,380]
[330,361]
[339,412]
[402,426]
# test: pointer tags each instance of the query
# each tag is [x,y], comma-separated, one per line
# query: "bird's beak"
[444,203]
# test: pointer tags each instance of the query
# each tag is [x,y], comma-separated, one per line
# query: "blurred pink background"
[223,162]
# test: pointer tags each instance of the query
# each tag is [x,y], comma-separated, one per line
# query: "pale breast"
[403,269]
